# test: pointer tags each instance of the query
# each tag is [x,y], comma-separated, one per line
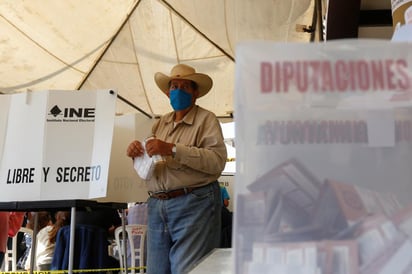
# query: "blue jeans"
[183,229]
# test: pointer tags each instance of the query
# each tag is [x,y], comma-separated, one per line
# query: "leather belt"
[166,195]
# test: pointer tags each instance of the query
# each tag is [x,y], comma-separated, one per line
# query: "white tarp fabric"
[120,44]
[55,144]
[323,141]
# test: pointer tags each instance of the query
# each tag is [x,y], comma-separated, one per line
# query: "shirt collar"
[187,119]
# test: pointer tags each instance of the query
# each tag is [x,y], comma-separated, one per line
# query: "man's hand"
[158,147]
[135,149]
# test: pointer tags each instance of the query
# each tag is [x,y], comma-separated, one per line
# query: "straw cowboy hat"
[181,71]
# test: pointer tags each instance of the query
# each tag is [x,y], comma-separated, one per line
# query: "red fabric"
[4,228]
[15,222]
[10,223]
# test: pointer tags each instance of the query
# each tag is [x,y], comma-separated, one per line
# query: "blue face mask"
[180,99]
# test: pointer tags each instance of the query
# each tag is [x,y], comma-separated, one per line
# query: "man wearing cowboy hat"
[184,208]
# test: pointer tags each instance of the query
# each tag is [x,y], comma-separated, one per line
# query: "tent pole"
[198,31]
[134,106]
[318,19]
[108,45]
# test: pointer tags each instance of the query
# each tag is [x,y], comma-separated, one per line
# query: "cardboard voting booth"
[124,185]
[55,144]
[62,149]
[60,145]
[323,159]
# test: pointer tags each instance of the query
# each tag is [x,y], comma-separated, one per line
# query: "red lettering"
[314,79]
[404,81]
[352,70]
[327,78]
[265,77]
[377,75]
[341,75]
[390,74]
[287,75]
[277,76]
[302,77]
[362,75]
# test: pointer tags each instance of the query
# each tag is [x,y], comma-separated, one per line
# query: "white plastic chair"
[10,257]
[136,239]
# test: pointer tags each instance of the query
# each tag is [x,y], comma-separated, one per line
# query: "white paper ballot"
[144,165]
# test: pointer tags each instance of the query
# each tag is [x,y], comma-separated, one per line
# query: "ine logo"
[55,111]
[72,114]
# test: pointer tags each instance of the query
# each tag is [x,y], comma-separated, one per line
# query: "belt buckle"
[162,195]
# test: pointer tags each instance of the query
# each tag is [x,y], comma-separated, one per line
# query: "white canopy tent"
[120,44]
